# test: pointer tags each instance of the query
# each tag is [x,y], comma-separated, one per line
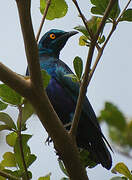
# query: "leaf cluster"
[98,10]
[21,157]
[119,128]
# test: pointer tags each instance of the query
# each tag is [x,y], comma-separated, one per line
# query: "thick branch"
[30,43]
[15,81]
[62,141]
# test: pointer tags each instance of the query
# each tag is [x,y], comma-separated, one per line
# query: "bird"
[63,94]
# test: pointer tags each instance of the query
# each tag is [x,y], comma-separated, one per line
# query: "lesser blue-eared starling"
[63,94]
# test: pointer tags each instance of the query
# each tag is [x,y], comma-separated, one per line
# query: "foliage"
[57,9]
[122,169]
[21,158]
[120,130]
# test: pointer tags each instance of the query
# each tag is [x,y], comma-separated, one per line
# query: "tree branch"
[83,18]
[20,141]
[30,43]
[15,81]
[64,144]
[100,52]
[83,90]
[123,11]
[85,82]
[43,19]
[106,14]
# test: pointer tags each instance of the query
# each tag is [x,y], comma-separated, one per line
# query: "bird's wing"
[72,89]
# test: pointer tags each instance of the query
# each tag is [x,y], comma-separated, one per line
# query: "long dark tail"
[91,138]
[101,153]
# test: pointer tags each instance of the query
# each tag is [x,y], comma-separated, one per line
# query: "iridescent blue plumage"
[63,94]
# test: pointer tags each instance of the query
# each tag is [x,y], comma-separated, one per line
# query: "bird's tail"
[97,148]
[100,153]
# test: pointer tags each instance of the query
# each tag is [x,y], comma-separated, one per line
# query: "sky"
[111,81]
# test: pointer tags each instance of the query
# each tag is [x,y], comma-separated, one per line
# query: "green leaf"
[31,159]
[83,40]
[101,39]
[127,15]
[3,106]
[9,160]
[9,95]
[4,127]
[101,5]
[116,178]
[62,167]
[57,9]
[113,116]
[7,120]
[73,77]
[122,169]
[46,78]
[27,112]
[85,158]
[78,66]
[2,178]
[11,139]
[83,30]
[117,136]
[47,177]
[26,150]
[129,133]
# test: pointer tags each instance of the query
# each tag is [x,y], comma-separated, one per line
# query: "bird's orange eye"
[52,36]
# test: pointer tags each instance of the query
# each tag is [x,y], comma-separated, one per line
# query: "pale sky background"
[111,82]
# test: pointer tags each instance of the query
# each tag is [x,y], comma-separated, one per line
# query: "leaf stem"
[20,141]
[43,18]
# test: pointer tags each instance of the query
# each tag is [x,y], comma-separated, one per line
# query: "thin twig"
[100,51]
[95,65]
[106,14]
[83,90]
[20,141]
[123,11]
[43,19]
[9,176]
[83,18]
[85,83]
[110,34]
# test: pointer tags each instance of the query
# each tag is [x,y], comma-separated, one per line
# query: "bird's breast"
[62,104]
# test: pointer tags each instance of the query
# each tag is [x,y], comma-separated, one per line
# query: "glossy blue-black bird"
[63,94]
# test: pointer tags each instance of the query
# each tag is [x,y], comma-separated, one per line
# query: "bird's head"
[53,41]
